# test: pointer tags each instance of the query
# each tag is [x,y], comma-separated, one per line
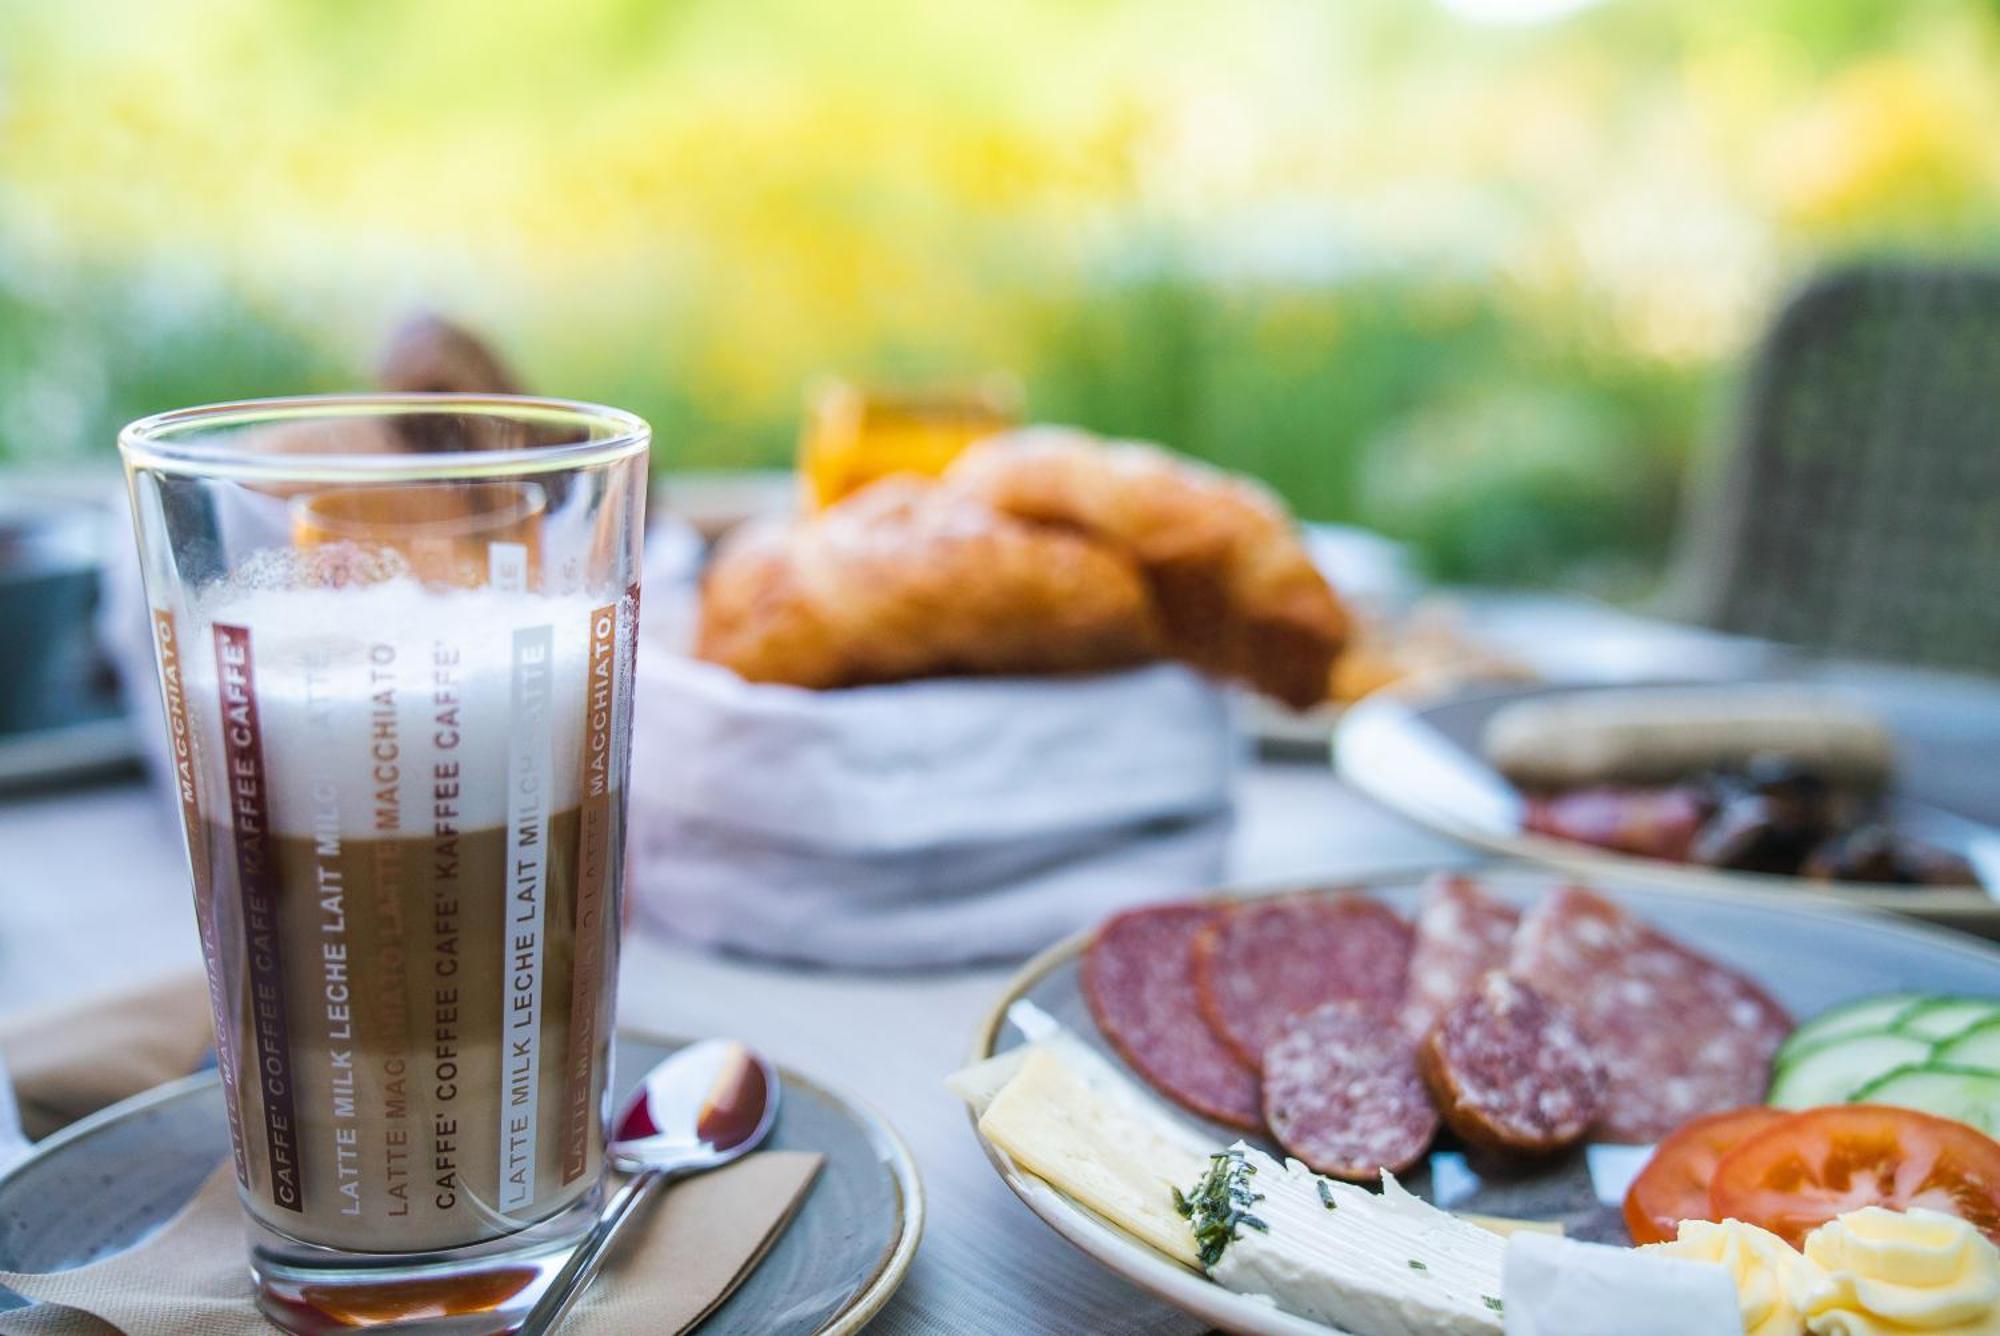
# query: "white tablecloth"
[93,894]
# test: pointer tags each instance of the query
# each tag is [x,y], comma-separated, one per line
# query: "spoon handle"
[577,1273]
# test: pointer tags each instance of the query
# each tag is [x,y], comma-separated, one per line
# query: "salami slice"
[1264,961]
[1342,1091]
[1462,932]
[1137,978]
[1677,1034]
[1647,823]
[1510,1069]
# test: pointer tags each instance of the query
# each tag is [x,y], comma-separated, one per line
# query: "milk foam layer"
[373,701]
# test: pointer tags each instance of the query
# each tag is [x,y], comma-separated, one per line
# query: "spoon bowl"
[702,1107]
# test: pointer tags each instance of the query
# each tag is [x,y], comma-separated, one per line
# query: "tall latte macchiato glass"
[395,638]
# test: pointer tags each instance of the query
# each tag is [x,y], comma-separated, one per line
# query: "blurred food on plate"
[1042,550]
[1617,736]
[1425,649]
[1783,780]
[853,436]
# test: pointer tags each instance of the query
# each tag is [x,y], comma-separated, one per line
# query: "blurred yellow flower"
[1888,140]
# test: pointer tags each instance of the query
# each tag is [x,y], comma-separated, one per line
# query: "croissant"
[904,579]
[1235,590]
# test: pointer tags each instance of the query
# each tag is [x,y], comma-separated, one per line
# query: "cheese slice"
[1506,1227]
[1102,1152]
[979,1083]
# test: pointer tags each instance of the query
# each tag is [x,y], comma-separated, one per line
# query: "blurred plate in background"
[1423,760]
[1445,641]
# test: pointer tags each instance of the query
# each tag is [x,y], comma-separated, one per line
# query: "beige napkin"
[70,1061]
[683,1258]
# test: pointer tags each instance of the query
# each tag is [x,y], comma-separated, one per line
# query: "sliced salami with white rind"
[1462,932]
[1342,1092]
[1678,1035]
[1137,977]
[1265,961]
[1511,1070]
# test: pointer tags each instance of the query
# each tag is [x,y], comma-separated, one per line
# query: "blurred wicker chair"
[1859,510]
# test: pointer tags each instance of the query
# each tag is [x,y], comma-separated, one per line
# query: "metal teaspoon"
[708,1104]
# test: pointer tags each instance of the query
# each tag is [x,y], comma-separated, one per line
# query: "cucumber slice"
[1869,1013]
[1946,1017]
[1968,1094]
[1833,1071]
[1977,1047]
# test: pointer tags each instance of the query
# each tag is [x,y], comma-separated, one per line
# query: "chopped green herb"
[1415,1265]
[1492,1303]
[1325,1194]
[1220,1204]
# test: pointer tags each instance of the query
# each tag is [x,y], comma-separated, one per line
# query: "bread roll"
[905,580]
[1237,594]
[428,354]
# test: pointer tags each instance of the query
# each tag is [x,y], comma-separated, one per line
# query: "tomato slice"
[1801,1173]
[1674,1184]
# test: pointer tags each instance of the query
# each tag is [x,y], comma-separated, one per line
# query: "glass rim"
[150,442]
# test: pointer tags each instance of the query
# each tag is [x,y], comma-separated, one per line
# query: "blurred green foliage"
[1480,284]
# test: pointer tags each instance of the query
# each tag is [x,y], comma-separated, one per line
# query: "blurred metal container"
[51,675]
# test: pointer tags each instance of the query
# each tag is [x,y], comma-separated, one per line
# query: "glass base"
[481,1290]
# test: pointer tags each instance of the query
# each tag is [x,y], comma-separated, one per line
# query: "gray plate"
[1399,751]
[1808,959]
[103,1185]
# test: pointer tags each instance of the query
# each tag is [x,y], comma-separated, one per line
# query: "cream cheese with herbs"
[1379,1265]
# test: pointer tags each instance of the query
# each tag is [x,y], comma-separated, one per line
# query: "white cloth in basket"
[924,823]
